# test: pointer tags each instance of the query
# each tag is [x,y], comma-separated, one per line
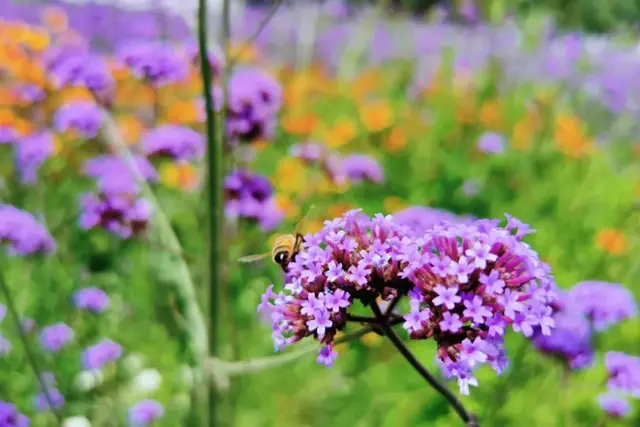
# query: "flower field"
[467,192]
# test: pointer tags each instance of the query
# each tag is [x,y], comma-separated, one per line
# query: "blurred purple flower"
[41,400]
[145,412]
[471,188]
[360,167]
[22,234]
[615,406]
[491,143]
[310,152]
[8,135]
[3,311]
[10,417]
[54,337]
[31,152]
[100,354]
[157,63]
[76,67]
[571,340]
[255,98]
[623,373]
[91,299]
[192,50]
[114,175]
[81,116]
[122,215]
[334,167]
[605,304]
[5,346]
[445,270]
[175,142]
[250,196]
[421,218]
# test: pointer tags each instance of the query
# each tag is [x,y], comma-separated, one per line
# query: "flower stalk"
[469,418]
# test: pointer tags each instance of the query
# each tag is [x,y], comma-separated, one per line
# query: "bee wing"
[253,258]
[304,218]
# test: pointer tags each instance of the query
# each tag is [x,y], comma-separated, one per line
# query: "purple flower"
[98,355]
[115,176]
[5,346]
[375,258]
[53,338]
[53,398]
[81,116]
[10,417]
[421,218]
[571,340]
[192,51]
[605,304]
[471,188]
[156,63]
[91,299]
[3,312]
[363,168]
[250,196]
[326,355]
[310,152]
[145,412]
[491,143]
[255,98]
[22,234]
[31,152]
[82,69]
[615,406]
[623,372]
[174,142]
[124,216]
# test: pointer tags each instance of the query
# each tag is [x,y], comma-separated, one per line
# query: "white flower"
[147,381]
[133,363]
[77,421]
[88,380]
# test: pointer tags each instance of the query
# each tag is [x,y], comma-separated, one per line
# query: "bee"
[285,247]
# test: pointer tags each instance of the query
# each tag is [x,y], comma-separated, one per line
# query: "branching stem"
[469,418]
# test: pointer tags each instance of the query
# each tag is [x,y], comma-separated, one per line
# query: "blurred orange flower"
[75,93]
[180,176]
[491,115]
[396,140]
[312,226]
[341,133]
[377,115]
[285,203]
[187,112]
[524,130]
[365,84]
[299,123]
[55,19]
[571,136]
[339,209]
[290,175]
[131,129]
[612,241]
[342,347]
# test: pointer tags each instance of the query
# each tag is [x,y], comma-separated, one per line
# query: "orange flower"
[181,176]
[286,205]
[396,140]
[365,84]
[186,112]
[35,39]
[312,226]
[524,130]
[571,137]
[76,93]
[394,204]
[612,241]
[57,145]
[299,123]
[341,133]
[54,18]
[243,53]
[491,115]
[376,116]
[131,129]
[338,210]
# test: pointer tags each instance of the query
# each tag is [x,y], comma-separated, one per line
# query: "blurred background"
[424,109]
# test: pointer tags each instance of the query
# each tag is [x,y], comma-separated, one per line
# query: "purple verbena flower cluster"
[250,196]
[83,117]
[421,218]
[31,152]
[22,233]
[623,382]
[145,412]
[466,284]
[315,154]
[116,206]
[100,354]
[174,142]
[94,300]
[255,98]
[75,66]
[157,63]
[604,303]
[360,167]
[10,417]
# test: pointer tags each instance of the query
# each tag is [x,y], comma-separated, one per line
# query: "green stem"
[31,357]
[214,196]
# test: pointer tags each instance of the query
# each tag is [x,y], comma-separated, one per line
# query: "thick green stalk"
[214,199]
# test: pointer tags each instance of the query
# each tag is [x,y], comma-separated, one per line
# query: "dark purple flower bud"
[22,234]
[250,196]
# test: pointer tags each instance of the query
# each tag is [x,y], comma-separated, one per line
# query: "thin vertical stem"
[31,358]
[468,417]
[214,199]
